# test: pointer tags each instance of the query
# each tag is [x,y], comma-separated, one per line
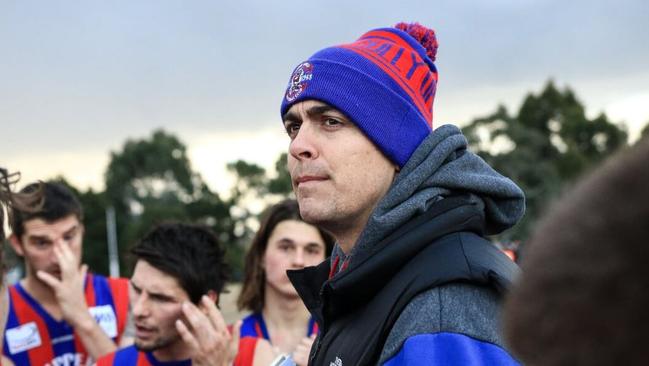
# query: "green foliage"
[253,177]
[151,181]
[148,168]
[544,147]
[281,183]
[253,185]
[645,131]
[248,177]
[95,243]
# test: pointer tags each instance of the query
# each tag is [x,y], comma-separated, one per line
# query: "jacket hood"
[441,167]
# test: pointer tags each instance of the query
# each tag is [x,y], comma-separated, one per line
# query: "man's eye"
[332,122]
[292,128]
[313,251]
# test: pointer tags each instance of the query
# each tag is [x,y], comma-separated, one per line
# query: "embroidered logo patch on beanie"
[299,81]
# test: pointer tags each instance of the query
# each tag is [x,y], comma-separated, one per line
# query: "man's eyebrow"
[291,116]
[38,237]
[313,111]
[161,295]
[286,240]
[153,293]
[72,229]
[319,109]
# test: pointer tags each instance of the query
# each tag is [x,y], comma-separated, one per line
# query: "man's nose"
[303,146]
[140,305]
[298,258]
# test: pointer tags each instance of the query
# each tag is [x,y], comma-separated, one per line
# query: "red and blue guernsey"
[130,356]
[33,338]
[254,328]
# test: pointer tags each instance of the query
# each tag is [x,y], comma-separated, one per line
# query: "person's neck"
[348,230]
[284,312]
[42,293]
[286,320]
[346,239]
[176,351]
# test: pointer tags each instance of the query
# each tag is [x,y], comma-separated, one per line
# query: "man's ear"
[16,245]
[213,296]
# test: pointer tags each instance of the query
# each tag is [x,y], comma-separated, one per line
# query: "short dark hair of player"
[254,279]
[58,202]
[582,298]
[189,253]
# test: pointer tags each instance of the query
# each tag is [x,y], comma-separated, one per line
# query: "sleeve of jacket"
[452,324]
[449,349]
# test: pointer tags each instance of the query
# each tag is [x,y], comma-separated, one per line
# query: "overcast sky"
[77,78]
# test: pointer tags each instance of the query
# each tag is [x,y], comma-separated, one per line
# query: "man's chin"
[146,346]
[152,345]
[290,292]
[311,210]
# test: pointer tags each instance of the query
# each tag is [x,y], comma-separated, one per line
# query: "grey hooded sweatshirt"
[441,167]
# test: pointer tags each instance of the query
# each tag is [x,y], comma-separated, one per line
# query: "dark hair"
[58,202]
[189,253]
[6,197]
[14,201]
[582,298]
[254,279]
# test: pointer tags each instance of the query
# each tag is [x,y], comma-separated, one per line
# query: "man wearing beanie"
[412,280]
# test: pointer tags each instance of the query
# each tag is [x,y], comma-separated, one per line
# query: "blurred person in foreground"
[412,279]
[279,323]
[9,199]
[60,313]
[178,276]
[582,298]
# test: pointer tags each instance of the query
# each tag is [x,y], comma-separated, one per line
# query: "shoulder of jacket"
[457,307]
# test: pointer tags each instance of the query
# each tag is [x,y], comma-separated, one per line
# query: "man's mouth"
[54,271]
[143,331]
[305,179]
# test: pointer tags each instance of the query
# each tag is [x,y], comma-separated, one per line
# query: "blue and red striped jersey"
[130,356]
[254,328]
[34,338]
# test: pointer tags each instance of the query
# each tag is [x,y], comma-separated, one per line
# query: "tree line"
[544,147]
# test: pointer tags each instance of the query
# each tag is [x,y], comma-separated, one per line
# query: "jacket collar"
[367,274]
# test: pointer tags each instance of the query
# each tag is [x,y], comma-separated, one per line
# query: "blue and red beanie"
[384,82]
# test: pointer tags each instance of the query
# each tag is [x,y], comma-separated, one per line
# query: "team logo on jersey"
[337,362]
[67,359]
[105,317]
[299,81]
[23,338]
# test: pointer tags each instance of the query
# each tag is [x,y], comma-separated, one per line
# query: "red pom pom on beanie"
[425,36]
